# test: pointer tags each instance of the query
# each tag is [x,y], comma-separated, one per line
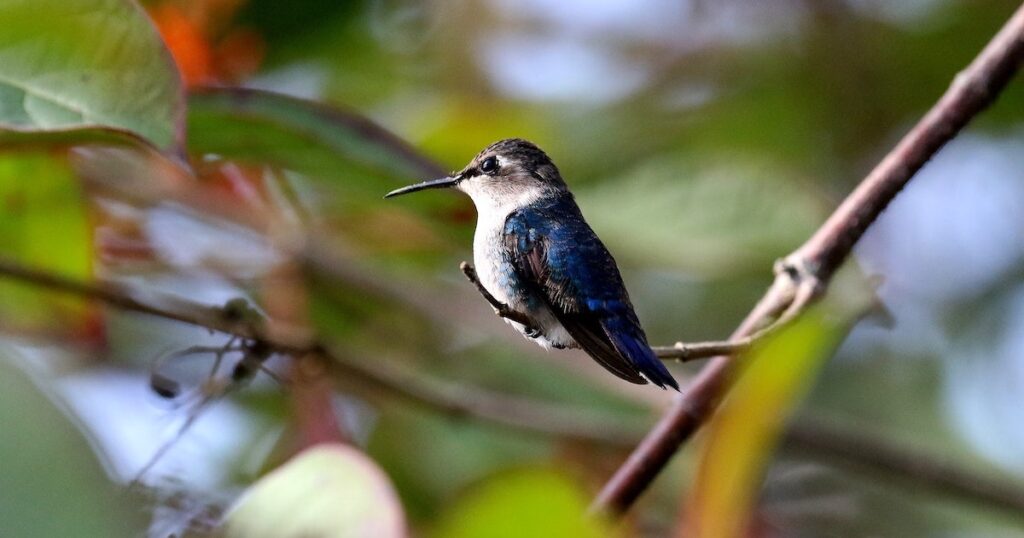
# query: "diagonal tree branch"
[802,275]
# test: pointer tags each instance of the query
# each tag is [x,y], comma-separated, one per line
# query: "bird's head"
[508,172]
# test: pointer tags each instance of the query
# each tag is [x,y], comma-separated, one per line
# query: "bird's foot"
[500,308]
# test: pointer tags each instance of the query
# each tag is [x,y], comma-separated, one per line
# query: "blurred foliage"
[702,139]
[538,502]
[45,225]
[317,141]
[48,483]
[755,219]
[429,479]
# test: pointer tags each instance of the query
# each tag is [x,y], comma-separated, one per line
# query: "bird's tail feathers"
[643,358]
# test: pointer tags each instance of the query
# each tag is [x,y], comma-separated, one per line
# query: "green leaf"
[304,136]
[327,491]
[50,482]
[338,167]
[83,70]
[44,225]
[744,432]
[536,503]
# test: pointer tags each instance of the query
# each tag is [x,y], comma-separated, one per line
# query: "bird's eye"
[489,166]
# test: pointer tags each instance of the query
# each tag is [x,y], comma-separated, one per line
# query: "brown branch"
[803,274]
[521,414]
[222,319]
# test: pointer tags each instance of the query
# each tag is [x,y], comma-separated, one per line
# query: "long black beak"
[442,183]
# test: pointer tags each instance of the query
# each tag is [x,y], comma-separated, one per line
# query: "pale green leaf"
[744,432]
[89,65]
[329,491]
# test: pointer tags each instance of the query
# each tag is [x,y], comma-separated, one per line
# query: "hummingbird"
[535,253]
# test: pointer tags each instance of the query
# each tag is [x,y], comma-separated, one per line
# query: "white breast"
[488,242]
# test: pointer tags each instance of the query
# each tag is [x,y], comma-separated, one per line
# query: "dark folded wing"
[569,268]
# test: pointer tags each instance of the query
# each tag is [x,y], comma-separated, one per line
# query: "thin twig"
[684,352]
[679,352]
[803,274]
[114,295]
[204,403]
[221,319]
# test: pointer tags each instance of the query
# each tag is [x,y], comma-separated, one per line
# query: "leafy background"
[702,139]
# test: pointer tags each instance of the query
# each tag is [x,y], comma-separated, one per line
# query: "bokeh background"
[703,140]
